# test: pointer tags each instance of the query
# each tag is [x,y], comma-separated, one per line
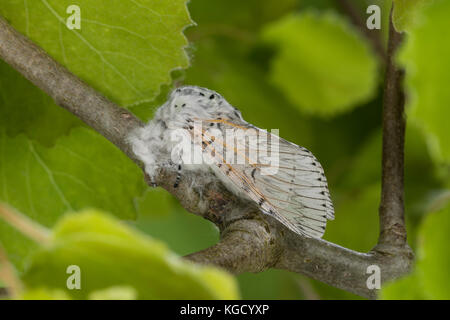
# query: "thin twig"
[8,276]
[392,221]
[23,224]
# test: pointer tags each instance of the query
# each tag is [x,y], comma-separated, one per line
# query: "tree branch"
[250,241]
[392,221]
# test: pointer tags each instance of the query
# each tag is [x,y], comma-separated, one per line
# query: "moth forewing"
[268,152]
[298,189]
[280,182]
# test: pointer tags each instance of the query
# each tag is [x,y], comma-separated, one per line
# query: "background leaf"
[428,78]
[24,108]
[226,16]
[360,205]
[81,170]
[406,288]
[44,294]
[430,276]
[407,13]
[434,257]
[182,231]
[323,66]
[114,293]
[110,254]
[125,56]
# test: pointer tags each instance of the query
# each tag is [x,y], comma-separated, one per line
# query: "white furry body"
[296,193]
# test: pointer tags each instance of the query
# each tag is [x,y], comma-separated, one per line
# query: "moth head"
[201,102]
[192,102]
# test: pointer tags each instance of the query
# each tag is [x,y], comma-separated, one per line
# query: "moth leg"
[150,180]
[150,174]
[178,177]
[178,163]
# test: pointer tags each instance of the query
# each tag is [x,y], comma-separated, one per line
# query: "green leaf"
[433,262]
[114,293]
[24,108]
[270,284]
[177,227]
[434,256]
[364,171]
[406,288]
[44,294]
[144,111]
[111,254]
[407,13]
[125,48]
[323,65]
[236,17]
[355,208]
[427,77]
[81,170]
[154,202]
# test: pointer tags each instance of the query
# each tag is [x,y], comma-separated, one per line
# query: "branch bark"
[392,221]
[250,242]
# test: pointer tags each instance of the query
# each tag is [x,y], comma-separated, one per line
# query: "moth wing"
[293,183]
[293,188]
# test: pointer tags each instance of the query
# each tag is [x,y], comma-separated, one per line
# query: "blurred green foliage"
[283,67]
[407,13]
[33,113]
[111,255]
[323,65]
[428,82]
[81,170]
[111,293]
[430,277]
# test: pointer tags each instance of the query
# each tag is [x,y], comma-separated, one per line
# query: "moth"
[201,131]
